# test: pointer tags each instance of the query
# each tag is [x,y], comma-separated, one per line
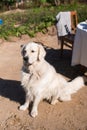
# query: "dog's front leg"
[26,104]
[34,111]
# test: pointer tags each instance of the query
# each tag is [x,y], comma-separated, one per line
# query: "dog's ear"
[22,46]
[22,49]
[41,53]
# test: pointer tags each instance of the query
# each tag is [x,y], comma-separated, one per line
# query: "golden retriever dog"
[41,81]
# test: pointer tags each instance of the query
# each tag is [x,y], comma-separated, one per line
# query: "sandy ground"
[70,115]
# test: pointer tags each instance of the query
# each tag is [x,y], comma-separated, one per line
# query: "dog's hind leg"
[54,100]
[65,98]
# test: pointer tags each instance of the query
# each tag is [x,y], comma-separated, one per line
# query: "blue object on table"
[1,21]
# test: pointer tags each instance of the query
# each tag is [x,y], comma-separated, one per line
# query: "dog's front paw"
[23,107]
[34,113]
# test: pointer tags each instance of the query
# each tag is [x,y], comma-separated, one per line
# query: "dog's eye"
[32,51]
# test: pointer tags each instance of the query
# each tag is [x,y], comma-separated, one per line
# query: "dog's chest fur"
[31,78]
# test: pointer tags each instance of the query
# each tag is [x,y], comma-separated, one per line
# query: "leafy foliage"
[29,22]
[36,20]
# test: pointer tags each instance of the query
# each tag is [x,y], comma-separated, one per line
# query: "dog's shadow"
[63,64]
[12,89]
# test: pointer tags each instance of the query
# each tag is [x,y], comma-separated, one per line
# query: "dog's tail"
[75,85]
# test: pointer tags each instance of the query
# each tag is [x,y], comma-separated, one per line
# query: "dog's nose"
[25,58]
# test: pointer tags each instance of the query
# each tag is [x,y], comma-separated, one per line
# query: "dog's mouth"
[25,69]
[26,62]
[25,66]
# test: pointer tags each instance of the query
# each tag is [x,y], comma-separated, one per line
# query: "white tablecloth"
[79,55]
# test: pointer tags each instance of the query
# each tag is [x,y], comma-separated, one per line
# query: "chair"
[68,39]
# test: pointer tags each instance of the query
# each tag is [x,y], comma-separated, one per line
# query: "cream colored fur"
[42,81]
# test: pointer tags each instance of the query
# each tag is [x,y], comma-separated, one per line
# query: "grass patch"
[35,20]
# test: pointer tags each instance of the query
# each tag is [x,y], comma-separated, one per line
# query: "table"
[79,54]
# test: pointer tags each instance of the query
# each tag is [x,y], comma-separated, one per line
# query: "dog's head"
[33,52]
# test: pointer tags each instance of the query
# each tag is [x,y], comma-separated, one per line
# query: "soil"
[71,115]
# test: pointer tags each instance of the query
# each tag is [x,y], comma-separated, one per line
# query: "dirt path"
[63,116]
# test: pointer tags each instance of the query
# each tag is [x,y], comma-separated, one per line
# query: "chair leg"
[62,43]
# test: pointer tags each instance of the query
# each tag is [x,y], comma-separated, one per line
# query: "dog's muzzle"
[26,61]
[25,58]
